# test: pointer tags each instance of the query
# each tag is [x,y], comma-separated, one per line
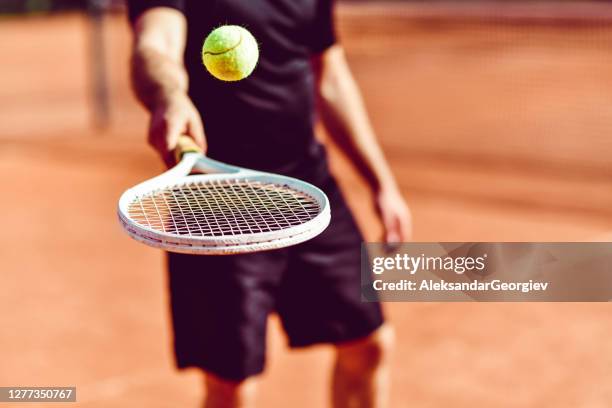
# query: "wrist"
[166,97]
[386,186]
[156,97]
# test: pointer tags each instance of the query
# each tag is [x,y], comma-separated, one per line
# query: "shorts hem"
[338,339]
[233,377]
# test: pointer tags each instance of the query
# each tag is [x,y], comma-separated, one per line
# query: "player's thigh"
[220,306]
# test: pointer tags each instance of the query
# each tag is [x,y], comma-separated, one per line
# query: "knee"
[367,354]
[221,393]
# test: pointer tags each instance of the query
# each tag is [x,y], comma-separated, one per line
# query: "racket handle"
[185,145]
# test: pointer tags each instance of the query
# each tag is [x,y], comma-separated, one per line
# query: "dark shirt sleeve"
[323,31]
[137,7]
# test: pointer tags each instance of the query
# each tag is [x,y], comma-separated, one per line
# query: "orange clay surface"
[495,131]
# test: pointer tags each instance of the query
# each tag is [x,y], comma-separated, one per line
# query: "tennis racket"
[202,206]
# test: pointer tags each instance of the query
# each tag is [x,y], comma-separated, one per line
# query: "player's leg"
[361,374]
[222,393]
[220,308]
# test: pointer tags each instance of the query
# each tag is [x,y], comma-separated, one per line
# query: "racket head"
[228,213]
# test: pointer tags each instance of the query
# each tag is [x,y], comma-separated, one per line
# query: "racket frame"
[232,244]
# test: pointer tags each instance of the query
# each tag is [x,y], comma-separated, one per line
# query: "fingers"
[196,131]
[176,117]
[163,136]
[396,219]
[174,129]
[405,226]
[393,232]
[398,229]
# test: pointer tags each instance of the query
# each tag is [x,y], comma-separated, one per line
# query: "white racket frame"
[223,245]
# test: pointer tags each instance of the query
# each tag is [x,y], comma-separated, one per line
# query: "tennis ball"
[230,53]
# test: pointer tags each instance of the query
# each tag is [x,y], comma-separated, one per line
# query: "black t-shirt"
[266,120]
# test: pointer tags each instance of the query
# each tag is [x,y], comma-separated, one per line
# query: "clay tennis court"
[496,121]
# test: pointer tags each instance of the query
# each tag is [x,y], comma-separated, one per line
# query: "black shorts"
[221,304]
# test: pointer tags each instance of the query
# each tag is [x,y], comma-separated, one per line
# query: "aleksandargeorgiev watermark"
[487,272]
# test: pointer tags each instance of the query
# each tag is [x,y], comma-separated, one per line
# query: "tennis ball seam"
[227,50]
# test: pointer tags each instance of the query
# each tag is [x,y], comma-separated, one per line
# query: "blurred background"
[495,115]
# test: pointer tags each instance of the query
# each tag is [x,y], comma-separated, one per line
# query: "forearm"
[156,77]
[344,114]
[157,56]
[160,81]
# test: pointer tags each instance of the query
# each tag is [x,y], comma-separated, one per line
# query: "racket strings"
[223,208]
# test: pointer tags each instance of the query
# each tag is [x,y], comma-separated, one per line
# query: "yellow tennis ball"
[230,53]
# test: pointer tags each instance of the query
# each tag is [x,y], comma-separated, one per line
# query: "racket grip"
[185,145]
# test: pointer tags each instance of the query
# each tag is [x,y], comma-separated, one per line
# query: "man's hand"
[395,216]
[174,116]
